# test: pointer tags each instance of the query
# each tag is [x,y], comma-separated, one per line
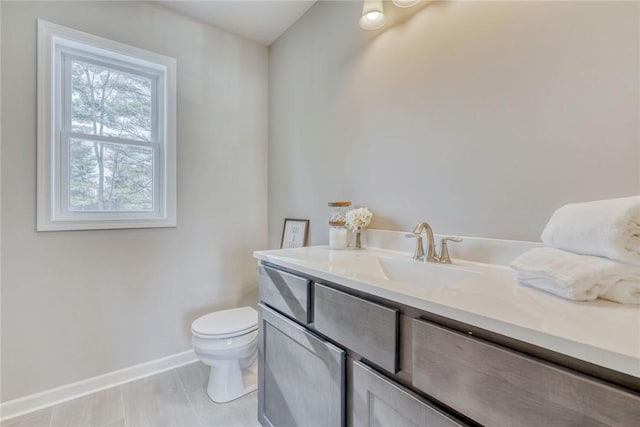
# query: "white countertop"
[601,332]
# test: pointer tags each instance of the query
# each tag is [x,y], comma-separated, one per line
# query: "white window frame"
[56,45]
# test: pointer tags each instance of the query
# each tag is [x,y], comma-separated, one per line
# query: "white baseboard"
[33,402]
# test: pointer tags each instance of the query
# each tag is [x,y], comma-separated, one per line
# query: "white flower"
[358,218]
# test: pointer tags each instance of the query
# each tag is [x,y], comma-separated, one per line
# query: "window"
[106,133]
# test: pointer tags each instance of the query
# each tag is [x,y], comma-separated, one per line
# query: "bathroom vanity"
[374,338]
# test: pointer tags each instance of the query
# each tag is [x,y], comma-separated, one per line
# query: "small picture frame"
[294,233]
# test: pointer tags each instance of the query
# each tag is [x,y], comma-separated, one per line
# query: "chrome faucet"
[430,256]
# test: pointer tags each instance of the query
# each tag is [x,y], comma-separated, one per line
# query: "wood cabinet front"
[379,402]
[368,328]
[301,376]
[497,386]
[286,292]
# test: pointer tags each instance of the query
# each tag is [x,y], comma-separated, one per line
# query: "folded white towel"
[608,228]
[578,277]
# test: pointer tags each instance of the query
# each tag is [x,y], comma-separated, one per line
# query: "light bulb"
[372,15]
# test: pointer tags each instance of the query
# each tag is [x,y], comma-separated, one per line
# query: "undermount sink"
[422,274]
[403,274]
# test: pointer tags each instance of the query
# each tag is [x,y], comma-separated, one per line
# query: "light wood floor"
[173,398]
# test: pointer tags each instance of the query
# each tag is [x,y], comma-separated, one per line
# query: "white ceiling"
[262,21]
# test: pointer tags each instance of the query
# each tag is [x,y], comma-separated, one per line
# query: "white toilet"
[227,341]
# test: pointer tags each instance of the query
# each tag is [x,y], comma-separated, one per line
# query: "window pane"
[109,102]
[110,177]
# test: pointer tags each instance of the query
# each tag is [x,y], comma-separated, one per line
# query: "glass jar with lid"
[338,212]
[337,219]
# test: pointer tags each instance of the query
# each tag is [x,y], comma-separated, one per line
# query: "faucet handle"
[444,249]
[453,239]
[418,252]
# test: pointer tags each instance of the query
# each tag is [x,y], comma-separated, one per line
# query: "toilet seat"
[224,336]
[226,324]
[222,348]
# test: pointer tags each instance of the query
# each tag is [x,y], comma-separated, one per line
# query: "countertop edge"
[597,356]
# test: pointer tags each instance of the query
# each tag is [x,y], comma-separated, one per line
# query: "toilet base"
[228,381]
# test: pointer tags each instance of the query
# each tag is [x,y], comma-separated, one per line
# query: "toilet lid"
[226,322]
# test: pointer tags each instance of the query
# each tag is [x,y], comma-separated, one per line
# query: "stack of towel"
[593,251]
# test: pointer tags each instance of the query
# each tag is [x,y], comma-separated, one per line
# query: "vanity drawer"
[367,328]
[285,292]
[494,385]
[378,401]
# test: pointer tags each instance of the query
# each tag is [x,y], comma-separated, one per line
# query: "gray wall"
[479,117]
[79,304]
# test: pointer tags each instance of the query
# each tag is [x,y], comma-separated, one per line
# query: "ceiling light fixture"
[372,15]
[405,3]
